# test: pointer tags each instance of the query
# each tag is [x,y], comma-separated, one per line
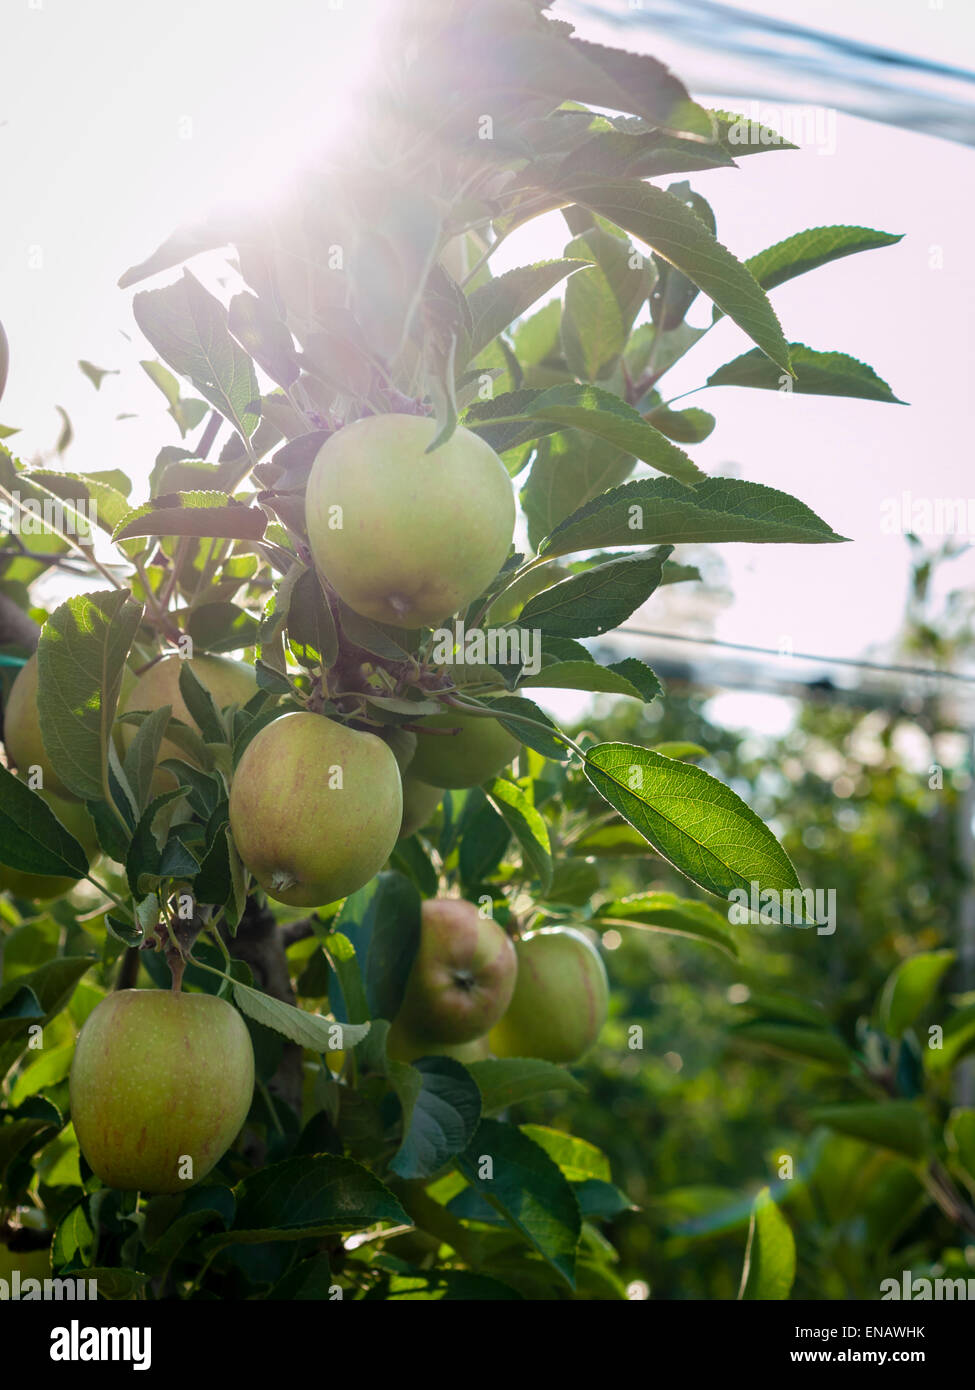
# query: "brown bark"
[259,944]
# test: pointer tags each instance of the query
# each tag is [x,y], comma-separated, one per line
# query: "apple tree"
[284,735]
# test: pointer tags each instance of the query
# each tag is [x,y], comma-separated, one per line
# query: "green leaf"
[210,515]
[816,374]
[178,247]
[95,375]
[666,912]
[518,1178]
[569,469]
[309,1279]
[796,1040]
[679,236]
[305,1029]
[393,918]
[960,1138]
[140,760]
[537,338]
[15,1135]
[958,1040]
[188,328]
[144,857]
[32,838]
[201,705]
[601,413]
[577,1158]
[74,1238]
[52,985]
[313,1195]
[655,511]
[593,331]
[496,305]
[601,1201]
[770,1257]
[342,958]
[679,748]
[172,1221]
[264,337]
[485,838]
[80,660]
[629,151]
[684,426]
[510,1081]
[514,712]
[526,825]
[574,882]
[519,416]
[222,627]
[673,293]
[614,841]
[697,823]
[103,503]
[519,54]
[910,988]
[637,672]
[597,600]
[584,675]
[809,249]
[438,1285]
[444,1117]
[310,620]
[892,1124]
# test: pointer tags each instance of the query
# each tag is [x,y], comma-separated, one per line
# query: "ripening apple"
[462,978]
[479,750]
[41,887]
[229,682]
[401,1047]
[160,1087]
[560,1000]
[22,731]
[420,800]
[315,808]
[404,536]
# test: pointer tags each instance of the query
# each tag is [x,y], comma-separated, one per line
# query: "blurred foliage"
[866,802]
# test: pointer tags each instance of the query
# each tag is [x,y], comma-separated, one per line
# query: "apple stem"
[176,966]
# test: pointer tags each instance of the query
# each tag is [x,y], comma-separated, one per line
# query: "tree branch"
[259,944]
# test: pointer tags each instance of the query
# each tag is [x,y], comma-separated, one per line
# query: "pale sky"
[118,123]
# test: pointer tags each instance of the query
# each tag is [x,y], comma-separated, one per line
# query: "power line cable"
[893,668]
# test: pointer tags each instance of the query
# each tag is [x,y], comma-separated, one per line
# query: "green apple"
[560,1000]
[229,682]
[22,731]
[462,978]
[160,1087]
[41,887]
[401,1047]
[420,800]
[479,749]
[315,808]
[404,536]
